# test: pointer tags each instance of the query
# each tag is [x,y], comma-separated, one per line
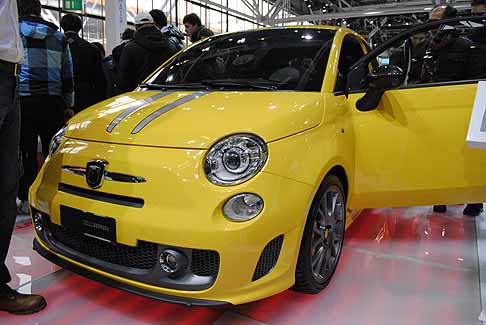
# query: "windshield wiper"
[173,86]
[225,83]
[237,84]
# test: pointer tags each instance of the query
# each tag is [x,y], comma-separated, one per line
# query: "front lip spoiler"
[189,302]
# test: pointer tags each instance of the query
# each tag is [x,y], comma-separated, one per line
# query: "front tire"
[323,238]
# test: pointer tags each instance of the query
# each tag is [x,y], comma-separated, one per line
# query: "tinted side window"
[351,51]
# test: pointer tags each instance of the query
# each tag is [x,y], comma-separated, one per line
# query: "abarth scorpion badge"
[95,173]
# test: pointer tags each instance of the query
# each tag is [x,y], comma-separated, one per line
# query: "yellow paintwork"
[192,125]
[409,151]
[183,209]
[412,149]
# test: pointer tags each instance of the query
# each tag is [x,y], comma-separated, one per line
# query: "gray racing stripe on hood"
[167,108]
[138,104]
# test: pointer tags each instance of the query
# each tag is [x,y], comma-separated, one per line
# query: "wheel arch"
[340,173]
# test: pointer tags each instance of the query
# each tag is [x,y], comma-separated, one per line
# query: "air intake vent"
[143,256]
[269,258]
[205,263]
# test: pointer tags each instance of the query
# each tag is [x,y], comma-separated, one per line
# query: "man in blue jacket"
[46,88]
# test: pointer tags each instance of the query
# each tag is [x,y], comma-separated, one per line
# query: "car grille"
[269,258]
[143,256]
[205,262]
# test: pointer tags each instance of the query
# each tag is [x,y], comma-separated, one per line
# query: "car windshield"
[269,59]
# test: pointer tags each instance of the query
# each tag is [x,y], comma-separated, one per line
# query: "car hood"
[195,119]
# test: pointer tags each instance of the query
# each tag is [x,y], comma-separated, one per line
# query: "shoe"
[473,209]
[20,304]
[440,208]
[23,208]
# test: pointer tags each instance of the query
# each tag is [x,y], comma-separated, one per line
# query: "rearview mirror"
[383,78]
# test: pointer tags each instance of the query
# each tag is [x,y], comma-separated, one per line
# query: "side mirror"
[383,78]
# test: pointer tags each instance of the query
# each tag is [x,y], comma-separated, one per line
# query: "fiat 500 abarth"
[227,176]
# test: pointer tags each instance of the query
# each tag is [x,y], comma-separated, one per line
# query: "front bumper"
[192,220]
[120,285]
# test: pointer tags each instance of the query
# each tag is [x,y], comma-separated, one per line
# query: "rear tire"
[323,238]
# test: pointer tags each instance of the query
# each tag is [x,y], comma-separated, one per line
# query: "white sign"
[476,135]
[116,22]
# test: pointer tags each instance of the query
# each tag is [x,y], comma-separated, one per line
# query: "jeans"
[9,165]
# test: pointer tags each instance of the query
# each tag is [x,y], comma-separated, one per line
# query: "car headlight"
[235,159]
[56,141]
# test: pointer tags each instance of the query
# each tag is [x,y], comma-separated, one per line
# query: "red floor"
[399,266]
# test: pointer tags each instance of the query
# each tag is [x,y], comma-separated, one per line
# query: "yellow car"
[226,177]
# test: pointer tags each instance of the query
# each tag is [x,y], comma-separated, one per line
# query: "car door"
[411,149]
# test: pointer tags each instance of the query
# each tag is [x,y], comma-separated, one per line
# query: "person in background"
[89,78]
[410,56]
[446,54]
[440,12]
[116,55]
[173,33]
[478,7]
[11,53]
[46,89]
[127,36]
[195,29]
[145,53]
[107,63]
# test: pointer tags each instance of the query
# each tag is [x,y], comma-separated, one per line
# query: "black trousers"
[9,166]
[41,116]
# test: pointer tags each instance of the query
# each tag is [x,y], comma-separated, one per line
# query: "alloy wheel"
[327,234]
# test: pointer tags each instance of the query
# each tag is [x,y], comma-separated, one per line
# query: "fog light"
[173,262]
[38,221]
[243,207]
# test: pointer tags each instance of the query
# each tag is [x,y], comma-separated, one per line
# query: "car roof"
[308,27]
[337,29]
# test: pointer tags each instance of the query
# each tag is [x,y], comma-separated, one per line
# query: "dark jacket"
[109,76]
[447,58]
[39,75]
[142,55]
[478,53]
[200,33]
[116,55]
[174,35]
[410,60]
[89,78]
